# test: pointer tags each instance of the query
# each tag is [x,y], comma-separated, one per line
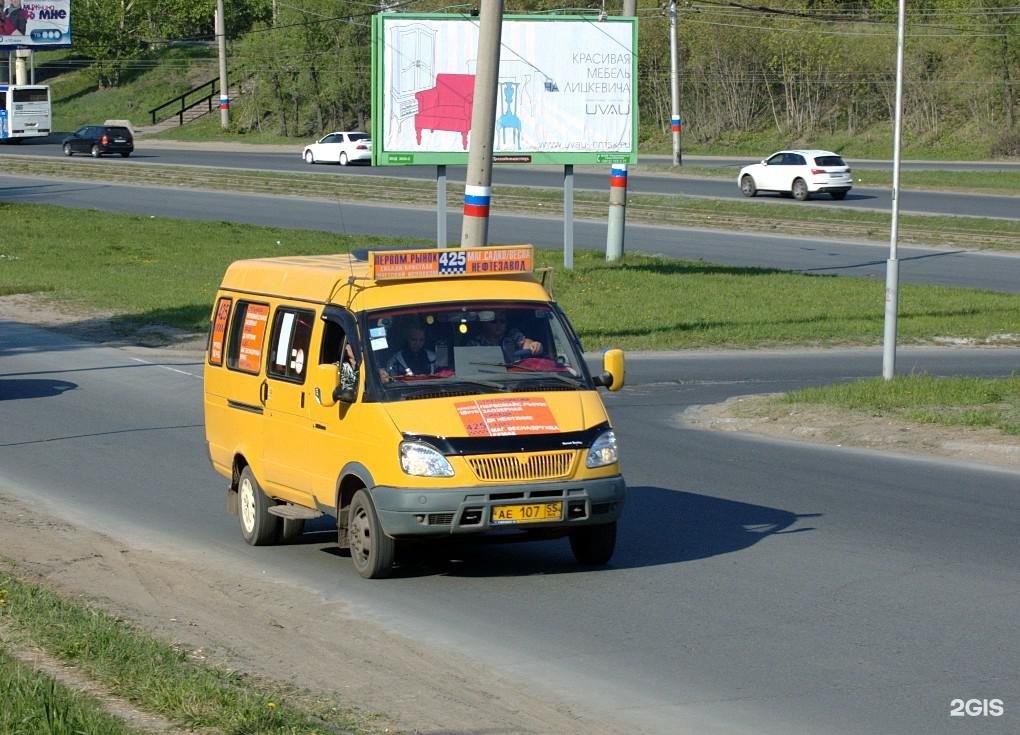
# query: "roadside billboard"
[566,91]
[35,24]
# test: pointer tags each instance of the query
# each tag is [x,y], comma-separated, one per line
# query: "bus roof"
[317,278]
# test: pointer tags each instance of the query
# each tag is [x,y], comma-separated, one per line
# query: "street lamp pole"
[892,269]
[674,84]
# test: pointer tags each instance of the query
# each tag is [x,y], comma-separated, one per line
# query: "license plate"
[527,513]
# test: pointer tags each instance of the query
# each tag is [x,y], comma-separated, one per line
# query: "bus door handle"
[264,392]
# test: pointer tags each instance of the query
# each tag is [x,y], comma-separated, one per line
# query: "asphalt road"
[596,178]
[974,269]
[759,587]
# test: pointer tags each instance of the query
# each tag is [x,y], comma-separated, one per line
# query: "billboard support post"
[441,206]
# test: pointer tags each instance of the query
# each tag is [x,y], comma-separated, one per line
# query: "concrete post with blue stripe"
[221,40]
[478,179]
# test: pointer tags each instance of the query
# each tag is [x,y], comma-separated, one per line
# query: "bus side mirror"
[327,385]
[612,370]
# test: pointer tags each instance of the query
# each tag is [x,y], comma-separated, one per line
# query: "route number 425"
[975,708]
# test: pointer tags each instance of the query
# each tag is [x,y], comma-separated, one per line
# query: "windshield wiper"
[563,379]
[477,382]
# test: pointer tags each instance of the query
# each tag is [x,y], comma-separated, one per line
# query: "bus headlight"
[603,451]
[423,460]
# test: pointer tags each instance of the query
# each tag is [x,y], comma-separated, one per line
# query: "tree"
[107,32]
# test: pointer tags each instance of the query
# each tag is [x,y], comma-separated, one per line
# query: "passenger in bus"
[516,345]
[348,369]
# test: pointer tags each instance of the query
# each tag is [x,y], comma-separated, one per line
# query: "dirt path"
[272,631]
[824,425]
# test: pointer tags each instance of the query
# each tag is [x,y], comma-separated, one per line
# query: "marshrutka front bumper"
[433,512]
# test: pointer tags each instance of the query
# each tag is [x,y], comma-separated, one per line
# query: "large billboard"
[566,91]
[35,24]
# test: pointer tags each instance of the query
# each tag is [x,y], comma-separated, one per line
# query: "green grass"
[35,703]
[945,401]
[761,215]
[156,677]
[208,128]
[146,83]
[160,270]
[964,143]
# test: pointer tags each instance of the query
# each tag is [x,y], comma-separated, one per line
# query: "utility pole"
[618,185]
[675,84]
[478,181]
[221,38]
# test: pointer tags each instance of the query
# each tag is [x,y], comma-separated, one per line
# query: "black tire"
[838,195]
[593,545]
[125,154]
[309,157]
[800,190]
[747,187]
[258,526]
[343,158]
[372,551]
[95,151]
[67,150]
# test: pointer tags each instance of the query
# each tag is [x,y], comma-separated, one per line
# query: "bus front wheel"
[593,545]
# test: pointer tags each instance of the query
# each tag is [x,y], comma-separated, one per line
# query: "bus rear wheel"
[258,526]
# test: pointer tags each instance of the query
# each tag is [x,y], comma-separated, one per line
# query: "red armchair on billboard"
[446,106]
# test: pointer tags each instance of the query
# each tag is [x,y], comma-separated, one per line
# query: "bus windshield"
[479,347]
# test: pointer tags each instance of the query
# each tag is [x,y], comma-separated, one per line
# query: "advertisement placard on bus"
[566,90]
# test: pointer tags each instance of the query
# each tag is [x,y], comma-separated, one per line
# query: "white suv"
[797,173]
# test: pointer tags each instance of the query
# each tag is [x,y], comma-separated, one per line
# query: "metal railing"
[205,94]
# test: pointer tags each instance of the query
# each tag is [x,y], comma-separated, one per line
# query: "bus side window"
[290,339]
[247,337]
[332,341]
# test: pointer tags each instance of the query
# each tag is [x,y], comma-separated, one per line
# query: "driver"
[515,344]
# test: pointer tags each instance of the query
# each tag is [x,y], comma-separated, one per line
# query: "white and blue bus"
[24,111]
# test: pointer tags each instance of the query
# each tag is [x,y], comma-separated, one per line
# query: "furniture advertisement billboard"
[566,92]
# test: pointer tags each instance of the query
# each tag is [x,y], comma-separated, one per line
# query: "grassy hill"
[165,73]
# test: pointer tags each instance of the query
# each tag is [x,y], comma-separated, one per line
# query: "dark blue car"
[98,140]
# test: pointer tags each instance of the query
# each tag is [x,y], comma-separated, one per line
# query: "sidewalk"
[141,141]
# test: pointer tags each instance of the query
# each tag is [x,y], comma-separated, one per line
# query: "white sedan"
[340,147]
[797,173]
